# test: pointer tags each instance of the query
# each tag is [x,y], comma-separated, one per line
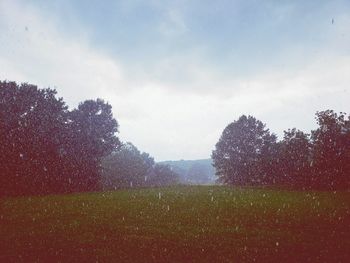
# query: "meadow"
[177,224]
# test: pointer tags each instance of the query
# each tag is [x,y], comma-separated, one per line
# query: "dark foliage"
[162,175]
[128,167]
[45,148]
[247,154]
[244,153]
[294,159]
[331,151]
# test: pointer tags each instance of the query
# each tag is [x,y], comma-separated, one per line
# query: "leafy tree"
[91,137]
[162,175]
[44,148]
[31,121]
[243,154]
[294,159]
[331,150]
[127,167]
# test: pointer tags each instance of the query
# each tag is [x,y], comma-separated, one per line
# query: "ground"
[177,224]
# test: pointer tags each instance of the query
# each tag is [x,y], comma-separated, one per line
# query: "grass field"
[178,224]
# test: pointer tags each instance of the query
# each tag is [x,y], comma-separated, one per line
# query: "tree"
[331,150]
[162,175]
[31,121]
[91,137]
[294,159]
[242,155]
[127,167]
[44,148]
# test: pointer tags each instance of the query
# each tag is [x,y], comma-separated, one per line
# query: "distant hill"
[193,171]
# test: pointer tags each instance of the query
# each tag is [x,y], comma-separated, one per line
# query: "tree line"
[247,153]
[128,167]
[46,148]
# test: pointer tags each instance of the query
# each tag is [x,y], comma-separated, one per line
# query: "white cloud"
[175,125]
[32,50]
[179,107]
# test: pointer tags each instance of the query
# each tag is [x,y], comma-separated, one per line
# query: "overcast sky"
[178,72]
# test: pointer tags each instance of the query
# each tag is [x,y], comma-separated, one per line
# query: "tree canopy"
[128,167]
[45,148]
[331,150]
[294,158]
[243,150]
[248,154]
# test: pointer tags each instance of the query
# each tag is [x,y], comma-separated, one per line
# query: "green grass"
[187,224]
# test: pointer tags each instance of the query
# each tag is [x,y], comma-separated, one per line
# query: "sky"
[178,72]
